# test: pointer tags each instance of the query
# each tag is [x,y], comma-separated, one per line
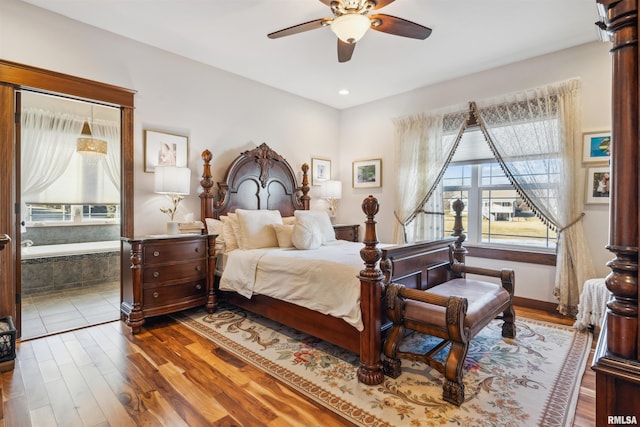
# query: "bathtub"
[68,249]
[53,268]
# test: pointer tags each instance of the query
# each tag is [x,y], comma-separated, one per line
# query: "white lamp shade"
[350,27]
[172,180]
[331,190]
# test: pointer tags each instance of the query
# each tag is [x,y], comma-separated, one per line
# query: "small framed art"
[596,147]
[320,171]
[598,185]
[367,173]
[164,149]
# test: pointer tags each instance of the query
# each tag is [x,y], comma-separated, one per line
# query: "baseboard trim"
[535,304]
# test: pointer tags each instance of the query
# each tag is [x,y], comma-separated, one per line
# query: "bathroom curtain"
[110,132]
[48,141]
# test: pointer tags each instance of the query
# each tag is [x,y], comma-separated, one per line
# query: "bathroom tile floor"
[47,314]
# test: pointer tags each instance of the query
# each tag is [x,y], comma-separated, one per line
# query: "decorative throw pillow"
[321,220]
[306,235]
[283,234]
[214,226]
[256,229]
[289,220]
[228,233]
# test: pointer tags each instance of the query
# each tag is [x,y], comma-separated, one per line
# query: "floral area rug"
[533,379]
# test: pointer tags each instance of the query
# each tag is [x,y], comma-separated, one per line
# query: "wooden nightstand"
[347,232]
[165,274]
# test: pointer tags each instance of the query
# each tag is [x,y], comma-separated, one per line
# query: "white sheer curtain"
[422,153]
[110,132]
[48,141]
[533,133]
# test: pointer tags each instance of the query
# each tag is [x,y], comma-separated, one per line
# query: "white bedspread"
[323,279]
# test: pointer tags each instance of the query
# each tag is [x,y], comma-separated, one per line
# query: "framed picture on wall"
[596,147]
[598,185]
[367,173]
[164,149]
[320,170]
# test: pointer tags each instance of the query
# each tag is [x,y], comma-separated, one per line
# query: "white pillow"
[214,226]
[283,234]
[306,235]
[289,220]
[228,234]
[322,221]
[256,229]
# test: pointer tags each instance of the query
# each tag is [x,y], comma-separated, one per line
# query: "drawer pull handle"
[156,253]
[156,274]
[156,294]
[197,249]
[198,268]
[198,286]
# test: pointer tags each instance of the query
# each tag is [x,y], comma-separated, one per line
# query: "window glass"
[37,212]
[494,211]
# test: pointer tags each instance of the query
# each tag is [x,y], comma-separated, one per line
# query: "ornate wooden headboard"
[257,179]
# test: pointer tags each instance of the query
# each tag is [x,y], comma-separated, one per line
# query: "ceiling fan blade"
[381,3]
[300,28]
[399,27]
[345,50]
[327,2]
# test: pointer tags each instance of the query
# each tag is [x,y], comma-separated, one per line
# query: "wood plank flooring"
[165,376]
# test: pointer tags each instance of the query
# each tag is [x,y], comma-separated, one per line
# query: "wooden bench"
[455,311]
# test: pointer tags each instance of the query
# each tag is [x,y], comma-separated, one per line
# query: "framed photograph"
[164,149]
[598,184]
[367,173]
[320,171]
[596,146]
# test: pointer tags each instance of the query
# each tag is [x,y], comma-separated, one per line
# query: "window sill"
[517,255]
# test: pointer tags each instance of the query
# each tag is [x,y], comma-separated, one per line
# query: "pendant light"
[92,149]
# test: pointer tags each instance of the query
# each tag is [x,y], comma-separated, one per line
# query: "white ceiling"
[468,36]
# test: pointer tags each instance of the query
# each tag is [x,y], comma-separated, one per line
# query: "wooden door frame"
[13,77]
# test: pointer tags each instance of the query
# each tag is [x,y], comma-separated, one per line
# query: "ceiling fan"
[352,20]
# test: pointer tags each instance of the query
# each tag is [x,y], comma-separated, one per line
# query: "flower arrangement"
[175,200]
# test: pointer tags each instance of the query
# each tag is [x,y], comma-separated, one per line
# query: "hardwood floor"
[165,376]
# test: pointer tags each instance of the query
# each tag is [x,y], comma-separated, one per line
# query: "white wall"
[367,132]
[228,114]
[219,111]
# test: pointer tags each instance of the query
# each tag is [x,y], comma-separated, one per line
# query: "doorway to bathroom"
[70,213]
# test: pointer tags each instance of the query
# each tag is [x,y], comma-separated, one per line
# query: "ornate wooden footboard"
[262,179]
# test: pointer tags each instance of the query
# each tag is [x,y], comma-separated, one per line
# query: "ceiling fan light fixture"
[350,27]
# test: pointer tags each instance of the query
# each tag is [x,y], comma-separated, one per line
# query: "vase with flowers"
[172,225]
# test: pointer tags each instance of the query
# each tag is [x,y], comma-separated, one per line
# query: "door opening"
[69,157]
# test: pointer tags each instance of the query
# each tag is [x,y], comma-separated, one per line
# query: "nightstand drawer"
[164,273]
[163,295]
[176,251]
[347,232]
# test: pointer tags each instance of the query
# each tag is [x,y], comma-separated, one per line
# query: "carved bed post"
[617,358]
[370,369]
[622,316]
[459,251]
[206,204]
[305,198]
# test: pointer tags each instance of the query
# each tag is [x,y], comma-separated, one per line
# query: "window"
[494,211]
[40,212]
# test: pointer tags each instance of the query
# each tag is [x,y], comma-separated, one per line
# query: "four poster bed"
[617,356]
[260,182]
